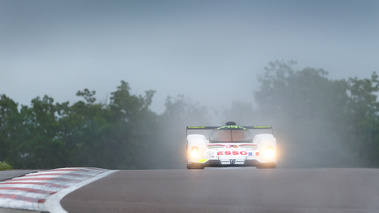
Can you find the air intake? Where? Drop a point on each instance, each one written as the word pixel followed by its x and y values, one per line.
pixel 230 123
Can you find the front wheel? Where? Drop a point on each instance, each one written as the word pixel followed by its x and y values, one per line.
pixel 195 166
pixel 266 166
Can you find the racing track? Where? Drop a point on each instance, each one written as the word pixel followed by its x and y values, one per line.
pixel 231 190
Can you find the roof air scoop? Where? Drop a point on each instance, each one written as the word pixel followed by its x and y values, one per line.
pixel 230 123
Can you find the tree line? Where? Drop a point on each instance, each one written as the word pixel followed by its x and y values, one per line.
pixel 322 122
pixel 318 122
pixel 122 134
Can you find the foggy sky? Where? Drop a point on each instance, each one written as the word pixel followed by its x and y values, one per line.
pixel 210 51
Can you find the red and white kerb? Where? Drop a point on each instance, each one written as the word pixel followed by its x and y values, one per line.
pixel 32 190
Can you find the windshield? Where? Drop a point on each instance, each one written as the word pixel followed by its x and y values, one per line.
pixel 230 136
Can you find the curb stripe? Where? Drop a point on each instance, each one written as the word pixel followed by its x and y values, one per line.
pixel 48 179
pixel 57 174
pixel 23 198
pixel 42 191
pixel 37 183
pixel 79 169
pixel 38 191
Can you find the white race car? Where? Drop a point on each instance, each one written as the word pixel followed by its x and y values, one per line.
pixel 230 145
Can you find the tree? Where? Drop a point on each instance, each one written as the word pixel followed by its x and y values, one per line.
pixel 308 111
pixel 35 143
pixel 363 123
pixel 134 127
pixel 9 128
pixel 48 135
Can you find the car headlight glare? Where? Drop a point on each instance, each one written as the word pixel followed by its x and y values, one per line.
pixel 195 153
pixel 268 152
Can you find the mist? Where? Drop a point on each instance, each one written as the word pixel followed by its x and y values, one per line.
pixel 318 121
pixel 210 58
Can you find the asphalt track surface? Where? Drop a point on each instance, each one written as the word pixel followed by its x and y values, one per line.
pixel 230 190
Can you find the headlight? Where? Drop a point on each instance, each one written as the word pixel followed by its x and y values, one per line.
pixel 195 153
pixel 268 152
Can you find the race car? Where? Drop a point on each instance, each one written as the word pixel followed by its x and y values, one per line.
pixel 230 145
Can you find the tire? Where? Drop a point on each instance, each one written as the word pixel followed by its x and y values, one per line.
pixel 195 166
pixel 266 166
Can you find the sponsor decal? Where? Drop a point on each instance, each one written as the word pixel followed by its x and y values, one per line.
pixel 196 127
pixel 210 154
pixel 262 127
pixel 231 153
pixel 214 146
pixel 231 127
pixel 249 146
pixel 231 146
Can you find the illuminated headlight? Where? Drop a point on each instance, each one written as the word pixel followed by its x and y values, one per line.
pixel 268 152
pixel 195 153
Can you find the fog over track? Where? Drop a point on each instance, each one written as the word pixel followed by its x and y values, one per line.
pixel 230 190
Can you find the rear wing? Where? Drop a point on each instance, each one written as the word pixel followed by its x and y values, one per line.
pixel 216 127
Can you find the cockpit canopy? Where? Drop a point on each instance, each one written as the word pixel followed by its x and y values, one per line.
pixel 230 134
